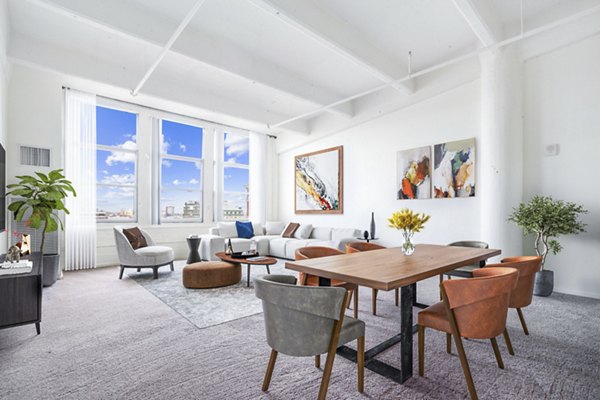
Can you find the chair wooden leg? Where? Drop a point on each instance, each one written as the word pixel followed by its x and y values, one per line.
pixel 121 272
pixel 522 318
pixel 448 343
pixel 269 372
pixel 318 361
pixel 360 348
pixel 374 301
pixel 497 353
pixel 349 299
pixel 441 280
pixel 326 375
pixel 465 367
pixel 508 342
pixel 397 297
pixel 356 303
pixel 421 350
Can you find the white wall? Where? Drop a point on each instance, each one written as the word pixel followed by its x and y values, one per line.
pixel 370 169
pixel 562 106
pixel 4 78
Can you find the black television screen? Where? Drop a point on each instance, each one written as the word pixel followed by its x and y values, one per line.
pixel 2 189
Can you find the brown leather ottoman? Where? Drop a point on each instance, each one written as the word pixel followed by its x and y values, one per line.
pixel 212 274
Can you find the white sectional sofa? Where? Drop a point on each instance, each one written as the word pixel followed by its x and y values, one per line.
pixel 269 241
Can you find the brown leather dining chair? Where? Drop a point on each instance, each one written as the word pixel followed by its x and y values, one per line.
pixel 471 308
pixel 356 247
pixel 305 253
pixel 522 295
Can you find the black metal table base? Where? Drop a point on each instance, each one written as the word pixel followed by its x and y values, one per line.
pixel 408 299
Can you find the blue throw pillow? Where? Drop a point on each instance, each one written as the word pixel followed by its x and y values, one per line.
pixel 244 229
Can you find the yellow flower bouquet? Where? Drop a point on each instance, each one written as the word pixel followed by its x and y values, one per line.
pixel 408 222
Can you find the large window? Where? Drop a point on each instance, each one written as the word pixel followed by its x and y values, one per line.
pixel 180 172
pixel 235 176
pixel 116 160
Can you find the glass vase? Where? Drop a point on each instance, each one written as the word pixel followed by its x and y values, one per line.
pixel 408 248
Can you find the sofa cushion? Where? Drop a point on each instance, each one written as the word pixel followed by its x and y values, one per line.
pixel 244 229
pixel 258 228
pixel 262 244
pixel 227 229
pixel 338 234
pixel 135 237
pixel 274 227
pixel 289 230
pixel 277 246
pixel 303 231
pixel 321 233
pixel 155 255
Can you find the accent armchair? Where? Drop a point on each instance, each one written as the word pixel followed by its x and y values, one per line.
pixel 151 256
pixel 303 321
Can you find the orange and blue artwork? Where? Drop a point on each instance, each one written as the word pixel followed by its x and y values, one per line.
pixel 414 173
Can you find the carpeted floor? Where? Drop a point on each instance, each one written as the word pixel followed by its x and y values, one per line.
pixel 108 339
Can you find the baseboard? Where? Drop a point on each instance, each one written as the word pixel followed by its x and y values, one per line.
pixel 577 293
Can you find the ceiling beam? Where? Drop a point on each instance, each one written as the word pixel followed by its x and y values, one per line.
pixel 186 20
pixel 337 36
pixel 202 48
pixel 481 19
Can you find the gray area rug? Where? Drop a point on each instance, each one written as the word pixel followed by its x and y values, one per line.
pixel 104 338
pixel 206 307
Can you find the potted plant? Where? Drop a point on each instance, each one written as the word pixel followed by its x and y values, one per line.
pixel 547 219
pixel 408 222
pixel 40 199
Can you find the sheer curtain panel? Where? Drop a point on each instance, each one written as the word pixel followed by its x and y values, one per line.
pixel 80 168
pixel 258 177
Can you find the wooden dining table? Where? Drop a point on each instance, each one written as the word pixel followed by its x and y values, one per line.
pixel 388 269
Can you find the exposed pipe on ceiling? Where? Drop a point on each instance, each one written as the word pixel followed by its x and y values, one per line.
pixel 168 45
pixel 506 42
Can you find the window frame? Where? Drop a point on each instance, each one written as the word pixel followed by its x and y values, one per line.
pixel 165 116
pixel 104 147
pixel 235 165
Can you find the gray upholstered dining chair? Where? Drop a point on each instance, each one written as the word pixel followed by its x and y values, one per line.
pixel 467 270
pixel 151 256
pixel 303 321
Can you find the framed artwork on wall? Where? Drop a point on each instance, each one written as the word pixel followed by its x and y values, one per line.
pixel 319 182
pixel 454 169
pixel 414 173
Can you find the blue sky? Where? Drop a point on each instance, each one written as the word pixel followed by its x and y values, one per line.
pixel 180 180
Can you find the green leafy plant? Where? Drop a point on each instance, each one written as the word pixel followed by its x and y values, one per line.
pixel 548 219
pixel 43 196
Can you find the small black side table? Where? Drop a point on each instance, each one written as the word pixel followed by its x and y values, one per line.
pixel 193 244
pixel 367 239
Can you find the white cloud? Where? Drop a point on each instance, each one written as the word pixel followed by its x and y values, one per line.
pixel 121 156
pixel 236 145
pixel 119 193
pixel 227 176
pixel 105 172
pixel 198 165
pixel 231 160
pixel 117 179
pixel 178 182
pixel 166 163
pixel 164 144
pixel 194 181
pixel 182 147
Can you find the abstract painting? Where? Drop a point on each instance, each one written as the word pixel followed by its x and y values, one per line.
pixel 414 173
pixel 319 182
pixel 454 169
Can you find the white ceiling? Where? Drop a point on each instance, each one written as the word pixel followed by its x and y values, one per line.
pixel 268 61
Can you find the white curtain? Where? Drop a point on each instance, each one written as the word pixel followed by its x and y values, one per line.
pixel 80 168
pixel 258 177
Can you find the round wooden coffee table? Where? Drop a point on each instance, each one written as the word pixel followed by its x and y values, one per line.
pixel 266 261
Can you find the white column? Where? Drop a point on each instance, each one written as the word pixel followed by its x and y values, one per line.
pixel 501 149
pixel 258 177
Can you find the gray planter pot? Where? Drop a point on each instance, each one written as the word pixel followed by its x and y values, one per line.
pixel 544 283
pixel 50 266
